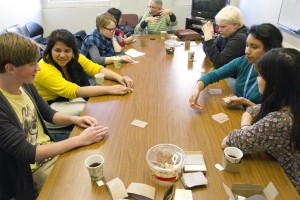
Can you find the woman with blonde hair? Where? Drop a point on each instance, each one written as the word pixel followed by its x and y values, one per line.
pixel 230 42
pixel 102 45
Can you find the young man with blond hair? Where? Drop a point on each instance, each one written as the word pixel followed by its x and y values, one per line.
pixel 230 43
pixel 25 144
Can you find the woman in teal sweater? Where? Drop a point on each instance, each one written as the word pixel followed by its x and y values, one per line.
pixel 261 39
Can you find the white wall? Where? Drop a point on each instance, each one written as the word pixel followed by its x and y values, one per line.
pixel 258 11
pixel 23 11
pixel 19 12
pixel 75 19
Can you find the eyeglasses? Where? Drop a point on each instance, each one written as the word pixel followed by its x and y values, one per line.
pixel 110 29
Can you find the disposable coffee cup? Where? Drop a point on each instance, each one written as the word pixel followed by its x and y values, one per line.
pixel 191 55
pixel 94 165
pixel 187 44
pixel 173 37
pixel 163 35
pixel 233 154
pixel 99 78
pixel 170 46
pixel 117 62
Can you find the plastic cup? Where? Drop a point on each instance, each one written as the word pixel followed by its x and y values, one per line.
pixel 170 46
pixel 191 55
pixel 233 154
pixel 174 37
pixel 187 45
pixel 165 163
pixel 99 78
pixel 163 35
pixel 117 62
pixel 94 165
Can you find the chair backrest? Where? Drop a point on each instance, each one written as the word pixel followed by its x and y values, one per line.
pixel 130 19
pixel 15 29
pixel 79 36
pixel 3 31
pixel 33 29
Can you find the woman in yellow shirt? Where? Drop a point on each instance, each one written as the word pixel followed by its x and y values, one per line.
pixel 63 79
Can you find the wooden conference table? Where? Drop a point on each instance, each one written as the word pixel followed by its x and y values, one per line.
pixel 163 85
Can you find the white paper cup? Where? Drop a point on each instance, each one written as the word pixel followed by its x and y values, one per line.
pixel 163 35
pixel 173 37
pixel 233 154
pixel 117 62
pixel 187 45
pixel 191 55
pixel 99 78
pixel 170 46
pixel 94 165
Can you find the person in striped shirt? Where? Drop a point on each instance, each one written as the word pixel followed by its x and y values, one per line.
pixel 157 19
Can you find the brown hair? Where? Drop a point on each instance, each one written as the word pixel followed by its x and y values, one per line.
pixel 17 50
pixel 104 19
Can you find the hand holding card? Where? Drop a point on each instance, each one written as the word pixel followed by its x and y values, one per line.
pixel 229 99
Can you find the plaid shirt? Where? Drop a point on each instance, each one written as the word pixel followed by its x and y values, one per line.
pixel 104 44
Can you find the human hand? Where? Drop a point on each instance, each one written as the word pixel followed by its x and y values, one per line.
pixel 193 100
pixel 234 101
pixel 208 30
pixel 151 19
pixel 224 145
pixel 126 58
pixel 120 90
pixel 129 39
pixel 85 121
pixel 165 12
pixel 92 134
pixel 120 38
pixel 125 80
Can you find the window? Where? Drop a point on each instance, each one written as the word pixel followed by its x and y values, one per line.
pixel 79 3
pixel 72 1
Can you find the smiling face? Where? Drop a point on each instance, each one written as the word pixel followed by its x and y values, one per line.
pixel 254 49
pixel 61 53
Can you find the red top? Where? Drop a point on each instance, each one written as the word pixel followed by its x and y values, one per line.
pixel 120 33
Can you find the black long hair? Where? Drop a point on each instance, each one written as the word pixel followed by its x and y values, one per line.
pixel 75 70
pixel 116 13
pixel 268 34
pixel 280 68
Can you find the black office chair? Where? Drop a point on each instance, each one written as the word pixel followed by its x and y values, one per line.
pixel 35 31
pixel 15 29
pixel 79 36
pixel 129 22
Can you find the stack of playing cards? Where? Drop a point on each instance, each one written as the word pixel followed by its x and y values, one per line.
pixel 193 179
pixel 214 91
pixel 221 117
pixel 229 99
pixel 194 161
